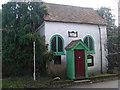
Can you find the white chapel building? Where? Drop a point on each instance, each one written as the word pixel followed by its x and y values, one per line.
pixel 78 37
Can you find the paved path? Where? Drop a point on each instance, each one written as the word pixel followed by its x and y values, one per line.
pixel 105 84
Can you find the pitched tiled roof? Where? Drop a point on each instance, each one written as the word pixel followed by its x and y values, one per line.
pixel 73 43
pixel 73 14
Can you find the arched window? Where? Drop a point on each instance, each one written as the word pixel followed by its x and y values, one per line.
pixel 57 44
pixel 89 42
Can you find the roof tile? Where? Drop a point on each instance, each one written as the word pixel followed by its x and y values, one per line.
pixel 73 14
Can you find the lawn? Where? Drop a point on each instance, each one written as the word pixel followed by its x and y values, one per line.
pixel 0 84
pixel 26 82
pixel 40 82
pixel 101 75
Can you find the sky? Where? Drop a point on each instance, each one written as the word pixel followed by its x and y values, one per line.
pixel 112 4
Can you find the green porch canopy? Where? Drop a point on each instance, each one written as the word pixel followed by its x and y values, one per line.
pixel 70 48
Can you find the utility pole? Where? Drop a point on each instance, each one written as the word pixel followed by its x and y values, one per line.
pixel 34 59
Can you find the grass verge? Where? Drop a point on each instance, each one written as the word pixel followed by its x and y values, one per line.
pixel 45 82
pixel 103 75
pixel 25 82
pixel 28 82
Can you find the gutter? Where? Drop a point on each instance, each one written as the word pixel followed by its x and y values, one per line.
pixel 74 22
pixel 100 48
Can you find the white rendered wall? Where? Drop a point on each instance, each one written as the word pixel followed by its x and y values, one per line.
pixel 104 48
pixel 53 28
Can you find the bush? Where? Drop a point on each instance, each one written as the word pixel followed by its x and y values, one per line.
pixel 112 62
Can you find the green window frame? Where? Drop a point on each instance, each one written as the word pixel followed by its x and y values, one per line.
pixel 59 41
pixel 89 42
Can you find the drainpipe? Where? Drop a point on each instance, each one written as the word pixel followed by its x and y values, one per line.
pixel 100 48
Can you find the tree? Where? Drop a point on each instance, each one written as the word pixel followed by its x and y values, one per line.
pixel 106 14
pixel 19 22
pixel 112 35
pixel 0 18
pixel 18 14
pixel 0 39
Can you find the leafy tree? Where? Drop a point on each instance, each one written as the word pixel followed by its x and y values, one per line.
pixel 113 50
pixel 19 22
pixel 18 14
pixel 0 18
pixel 112 35
pixel 106 14
pixel 0 36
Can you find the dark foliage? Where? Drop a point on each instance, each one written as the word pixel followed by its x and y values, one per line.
pixel 19 22
pixel 112 36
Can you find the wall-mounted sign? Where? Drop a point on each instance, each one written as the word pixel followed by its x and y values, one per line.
pixel 90 60
pixel 72 34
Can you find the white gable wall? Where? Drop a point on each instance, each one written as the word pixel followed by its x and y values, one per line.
pixel 104 47
pixel 53 28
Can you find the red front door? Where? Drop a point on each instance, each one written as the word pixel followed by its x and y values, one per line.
pixel 79 63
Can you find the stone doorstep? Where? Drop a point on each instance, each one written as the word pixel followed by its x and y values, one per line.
pixel 81 81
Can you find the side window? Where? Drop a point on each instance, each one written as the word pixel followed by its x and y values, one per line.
pixel 89 42
pixel 60 46
pixel 57 60
pixel 57 45
pixel 90 59
pixel 86 41
pixel 53 44
pixel 91 46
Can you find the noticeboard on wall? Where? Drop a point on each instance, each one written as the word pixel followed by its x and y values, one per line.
pixel 90 59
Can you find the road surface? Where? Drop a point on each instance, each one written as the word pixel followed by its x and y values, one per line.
pixel 105 84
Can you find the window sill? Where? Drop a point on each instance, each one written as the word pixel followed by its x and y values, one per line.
pixel 59 53
pixel 90 65
pixel 91 52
